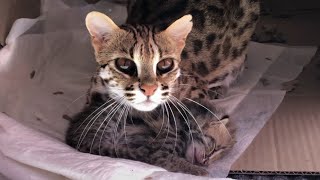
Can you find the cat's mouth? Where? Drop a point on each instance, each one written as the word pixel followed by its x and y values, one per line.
pixel 146 105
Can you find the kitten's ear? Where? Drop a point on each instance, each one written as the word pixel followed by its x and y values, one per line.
pixel 100 27
pixel 225 121
pixel 180 29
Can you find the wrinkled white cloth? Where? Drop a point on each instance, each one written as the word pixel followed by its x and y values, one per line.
pixel 45 71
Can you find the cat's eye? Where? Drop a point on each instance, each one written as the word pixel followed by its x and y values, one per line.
pixel 126 66
pixel 165 66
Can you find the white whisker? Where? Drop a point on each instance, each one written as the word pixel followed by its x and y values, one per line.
pixel 187 122
pixel 175 124
pixel 95 117
pixel 210 112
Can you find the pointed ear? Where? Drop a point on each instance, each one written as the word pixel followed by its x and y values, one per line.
pixel 225 121
pixel 179 30
pixel 100 27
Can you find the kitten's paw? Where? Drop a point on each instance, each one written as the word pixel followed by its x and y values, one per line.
pixel 196 153
pixel 218 139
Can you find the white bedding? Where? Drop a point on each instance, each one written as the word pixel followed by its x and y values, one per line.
pixel 45 71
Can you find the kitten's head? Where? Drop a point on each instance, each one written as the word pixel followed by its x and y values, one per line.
pixel 138 65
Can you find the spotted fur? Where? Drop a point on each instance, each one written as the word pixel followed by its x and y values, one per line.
pixel 172 124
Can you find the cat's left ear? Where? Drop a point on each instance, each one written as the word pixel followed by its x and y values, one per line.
pixel 100 28
pixel 179 30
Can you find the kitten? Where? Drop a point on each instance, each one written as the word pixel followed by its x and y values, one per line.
pixel 142 107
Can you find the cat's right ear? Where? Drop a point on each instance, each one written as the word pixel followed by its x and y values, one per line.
pixel 179 30
pixel 100 28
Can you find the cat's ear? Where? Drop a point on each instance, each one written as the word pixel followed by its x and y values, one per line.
pixel 100 27
pixel 179 30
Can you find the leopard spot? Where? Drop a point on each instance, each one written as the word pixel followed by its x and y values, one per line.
pixel 197 46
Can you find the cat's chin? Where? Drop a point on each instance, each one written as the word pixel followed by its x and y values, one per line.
pixel 145 106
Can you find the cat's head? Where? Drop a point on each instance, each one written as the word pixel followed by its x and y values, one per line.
pixel 138 66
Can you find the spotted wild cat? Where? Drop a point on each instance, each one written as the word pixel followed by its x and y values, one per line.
pixel 149 100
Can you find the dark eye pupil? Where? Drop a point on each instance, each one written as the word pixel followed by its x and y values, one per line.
pixel 165 66
pixel 126 66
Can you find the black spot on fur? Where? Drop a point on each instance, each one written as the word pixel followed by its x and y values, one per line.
pixel 197 46
pixel 193 66
pixel 202 69
pixel 58 93
pixel 239 14
pixel 165 87
pixel 165 94
pixel 216 15
pixel 184 55
pixel 226 47
pixel 198 19
pixel 234 25
pixel 32 74
pixel 129 88
pixel 243 47
pixel 235 52
pixel 214 11
pixel 209 40
pixel 129 94
pixel 66 117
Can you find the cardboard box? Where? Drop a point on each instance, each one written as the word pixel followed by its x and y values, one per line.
pixel 289 142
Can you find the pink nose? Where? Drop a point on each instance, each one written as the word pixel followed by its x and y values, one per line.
pixel 148 90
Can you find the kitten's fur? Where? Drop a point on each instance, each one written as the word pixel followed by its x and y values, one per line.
pixel 140 106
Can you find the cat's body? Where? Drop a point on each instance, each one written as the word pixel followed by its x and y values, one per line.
pixel 148 104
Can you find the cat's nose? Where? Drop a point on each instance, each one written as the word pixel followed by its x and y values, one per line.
pixel 148 89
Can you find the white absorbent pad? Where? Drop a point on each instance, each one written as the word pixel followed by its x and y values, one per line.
pixel 45 71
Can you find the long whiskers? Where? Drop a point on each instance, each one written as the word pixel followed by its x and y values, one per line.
pixel 176 128
pixel 112 113
pixel 92 114
pixel 161 123
pixel 185 117
pixel 116 128
pixel 91 122
pixel 210 112
pixel 186 109
pixel 78 98
pixel 168 124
